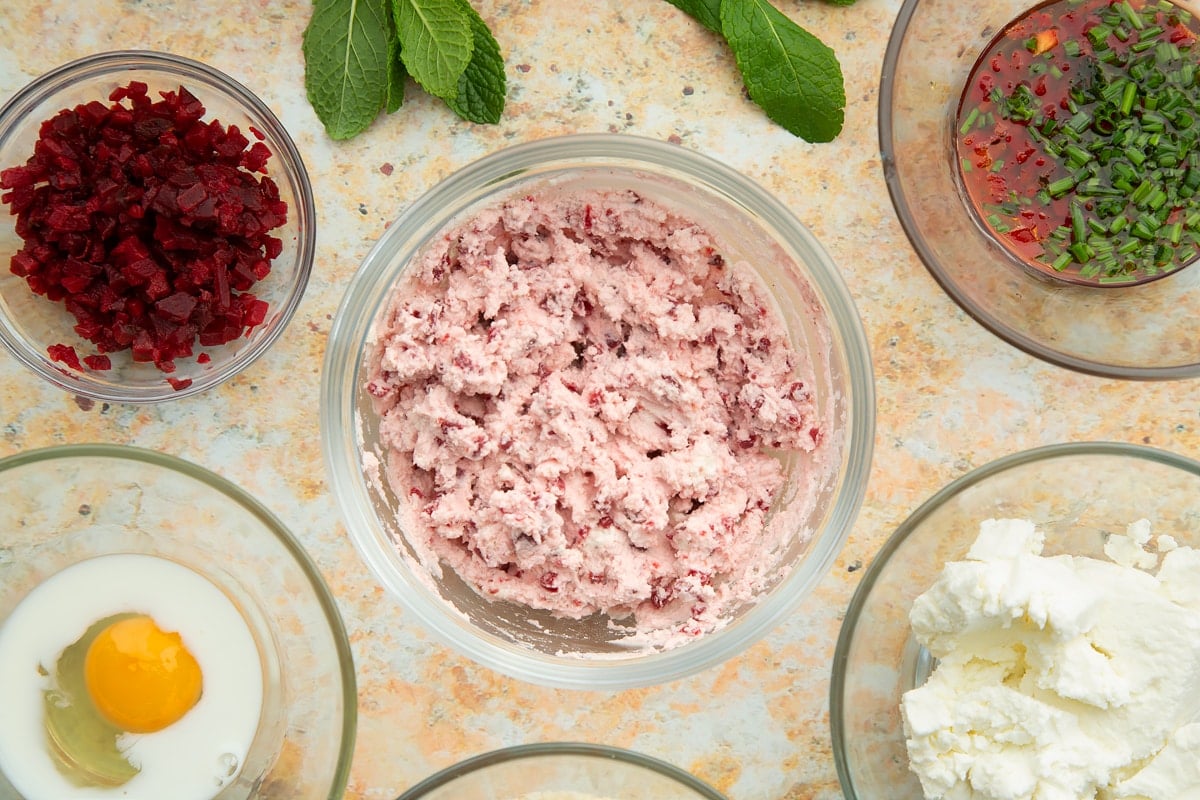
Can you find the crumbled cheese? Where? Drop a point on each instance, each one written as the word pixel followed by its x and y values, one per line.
pixel 1058 677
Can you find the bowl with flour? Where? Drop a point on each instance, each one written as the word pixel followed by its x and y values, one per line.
pixel 598 411
pixel 1032 630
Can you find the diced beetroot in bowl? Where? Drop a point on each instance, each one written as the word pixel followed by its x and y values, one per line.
pixel 148 223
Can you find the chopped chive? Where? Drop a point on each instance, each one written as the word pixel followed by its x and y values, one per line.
pixel 1098 35
pixel 966 126
pixel 1059 187
pixel 1128 95
pixel 1131 16
pixel 1078 226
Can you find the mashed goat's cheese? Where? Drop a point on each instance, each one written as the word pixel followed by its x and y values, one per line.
pixel 1059 677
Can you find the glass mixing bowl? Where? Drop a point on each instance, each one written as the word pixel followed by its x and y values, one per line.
pixel 1138 332
pixel 562 771
pixel 819 316
pixel 75 502
pixel 1077 493
pixel 30 323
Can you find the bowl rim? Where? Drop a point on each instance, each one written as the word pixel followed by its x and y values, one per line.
pixel 338 429
pixel 287 156
pixel 996 326
pixel 837 683
pixel 341 775
pixel 533 750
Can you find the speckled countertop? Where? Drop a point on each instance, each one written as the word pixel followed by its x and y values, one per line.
pixel 951 396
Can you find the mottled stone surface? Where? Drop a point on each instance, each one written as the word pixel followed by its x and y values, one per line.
pixel 950 395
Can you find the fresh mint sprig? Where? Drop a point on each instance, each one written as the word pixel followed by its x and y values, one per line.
pixel 359 54
pixel 793 76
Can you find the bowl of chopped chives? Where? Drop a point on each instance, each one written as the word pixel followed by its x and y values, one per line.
pixel 1046 168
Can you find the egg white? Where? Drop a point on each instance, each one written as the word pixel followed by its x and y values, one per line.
pixel 188 760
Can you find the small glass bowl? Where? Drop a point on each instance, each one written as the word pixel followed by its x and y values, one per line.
pixel 30 323
pixel 75 502
pixel 819 316
pixel 1076 493
pixel 1147 331
pixel 562 771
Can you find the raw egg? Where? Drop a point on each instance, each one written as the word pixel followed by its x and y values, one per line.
pixel 127 676
pixel 140 678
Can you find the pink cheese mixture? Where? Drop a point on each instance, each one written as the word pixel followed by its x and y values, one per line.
pixel 578 396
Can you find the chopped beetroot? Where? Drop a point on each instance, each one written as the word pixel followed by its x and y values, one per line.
pixel 148 224
pixel 64 354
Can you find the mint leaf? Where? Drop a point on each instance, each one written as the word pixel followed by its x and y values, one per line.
pixel 435 43
pixel 482 85
pixel 707 12
pixel 789 72
pixel 346 46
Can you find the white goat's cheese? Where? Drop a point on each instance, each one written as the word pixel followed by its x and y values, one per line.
pixel 1058 677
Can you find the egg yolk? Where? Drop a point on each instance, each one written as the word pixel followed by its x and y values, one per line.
pixel 139 677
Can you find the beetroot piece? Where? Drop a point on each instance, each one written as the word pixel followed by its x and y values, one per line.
pixel 148 223
pixel 64 354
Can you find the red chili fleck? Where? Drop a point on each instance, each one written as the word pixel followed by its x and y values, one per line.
pixel 1024 235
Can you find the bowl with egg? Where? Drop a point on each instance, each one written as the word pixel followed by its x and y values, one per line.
pixel 1041 160
pixel 1031 630
pixel 563 771
pixel 157 226
pixel 162 634
pixel 598 411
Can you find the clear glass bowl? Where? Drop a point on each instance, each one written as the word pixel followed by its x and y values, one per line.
pixel 70 503
pixel 1136 332
pixel 1077 493
pixel 589 653
pixel 562 771
pixel 29 323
